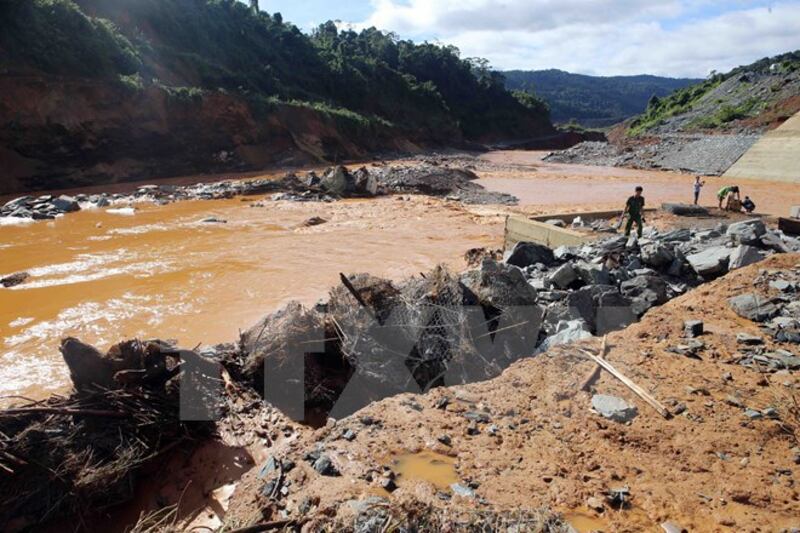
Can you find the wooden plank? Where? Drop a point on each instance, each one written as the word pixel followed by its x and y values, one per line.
pixel 643 394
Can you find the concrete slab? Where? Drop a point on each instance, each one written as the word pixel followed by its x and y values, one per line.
pixel 774 157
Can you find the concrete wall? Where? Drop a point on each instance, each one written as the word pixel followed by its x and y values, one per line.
pixel 519 229
pixel 775 157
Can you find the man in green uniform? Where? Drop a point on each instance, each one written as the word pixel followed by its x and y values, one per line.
pixel 634 208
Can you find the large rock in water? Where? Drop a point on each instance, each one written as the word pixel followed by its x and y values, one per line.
pixel 65 204
pixel 710 262
pixel 529 253
pixel 747 231
pixel 337 181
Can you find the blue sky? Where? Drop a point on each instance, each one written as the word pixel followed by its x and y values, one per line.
pixel 602 37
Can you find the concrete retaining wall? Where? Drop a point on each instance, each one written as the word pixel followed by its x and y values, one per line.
pixel 535 229
pixel 775 157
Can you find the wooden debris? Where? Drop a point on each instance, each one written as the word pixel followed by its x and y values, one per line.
pixel 643 394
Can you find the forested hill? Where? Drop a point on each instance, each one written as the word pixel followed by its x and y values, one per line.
pixel 591 100
pixel 107 90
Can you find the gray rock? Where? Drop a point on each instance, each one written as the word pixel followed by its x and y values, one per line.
pixel 337 181
pixel 656 255
pixel 614 408
pixel 499 285
pixel 678 235
pixel 749 340
pixel 65 204
pixel 564 276
pixel 529 253
pixel 684 210
pixel 747 231
pixel 645 291
pixel 593 274
pixel 572 331
pixel 693 328
pixel 710 262
pixel 753 307
pixel 744 255
pixel 462 490
pixel 774 242
pixel 324 466
pixel 556 222
pixel 782 285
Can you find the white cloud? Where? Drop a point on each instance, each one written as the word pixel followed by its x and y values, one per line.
pixel 668 37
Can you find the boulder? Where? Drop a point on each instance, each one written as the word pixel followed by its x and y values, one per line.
pixel 678 235
pixel 753 307
pixel 365 184
pixel 693 328
pixel 614 408
pixel 685 210
pixel 497 284
pixel 563 277
pixel 526 254
pixel 337 181
pixel 656 255
pixel 710 262
pixel 567 333
pixel 747 231
pixel 773 241
pixel 65 204
pixel 593 274
pixel 645 292
pixel 744 255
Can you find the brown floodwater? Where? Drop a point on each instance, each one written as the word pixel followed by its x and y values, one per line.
pixel 104 275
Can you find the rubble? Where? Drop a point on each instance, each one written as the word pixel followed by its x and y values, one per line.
pixel 458 184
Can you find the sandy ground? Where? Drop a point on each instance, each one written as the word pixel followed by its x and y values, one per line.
pixel 708 469
pixel 582 187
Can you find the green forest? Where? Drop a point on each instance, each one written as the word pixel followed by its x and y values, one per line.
pixel 191 47
pixel 593 101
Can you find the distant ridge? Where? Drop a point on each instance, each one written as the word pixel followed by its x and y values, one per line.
pixel 593 101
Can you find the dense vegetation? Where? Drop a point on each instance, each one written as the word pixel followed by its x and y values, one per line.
pixel 721 112
pixel 193 46
pixel 591 100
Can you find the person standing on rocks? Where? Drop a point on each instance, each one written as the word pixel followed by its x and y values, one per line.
pixel 634 208
pixel 698 185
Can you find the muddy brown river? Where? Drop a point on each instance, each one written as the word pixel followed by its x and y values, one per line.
pixel 104 275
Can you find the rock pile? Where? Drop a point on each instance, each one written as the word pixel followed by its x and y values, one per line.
pixel 374 338
pixel 778 314
pixel 608 284
pixel 334 183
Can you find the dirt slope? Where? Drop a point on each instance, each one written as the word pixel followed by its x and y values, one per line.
pixel 709 468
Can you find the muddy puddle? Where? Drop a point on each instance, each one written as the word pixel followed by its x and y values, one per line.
pixel 158 271
pixel 431 467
